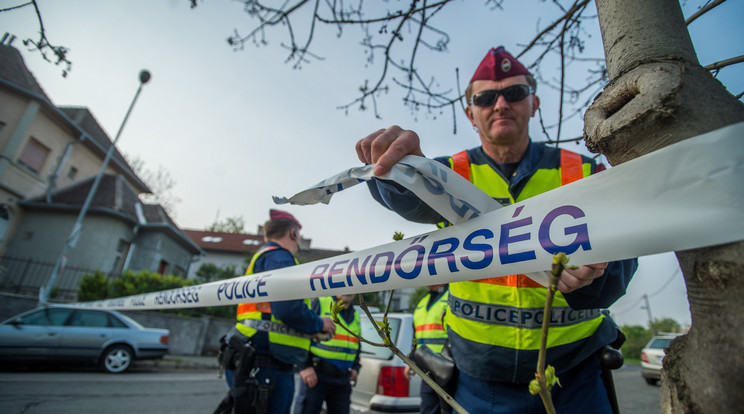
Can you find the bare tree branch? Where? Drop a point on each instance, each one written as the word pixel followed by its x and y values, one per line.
pixel 43 44
pixel 704 10
pixel 577 7
pixel 724 63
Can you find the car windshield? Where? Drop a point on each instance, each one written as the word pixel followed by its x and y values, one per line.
pixel 660 343
pixel 369 333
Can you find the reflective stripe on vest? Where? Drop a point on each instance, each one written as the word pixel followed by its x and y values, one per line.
pixel 341 350
pixel 429 328
pixel 503 311
pixel 281 341
pixel 269 326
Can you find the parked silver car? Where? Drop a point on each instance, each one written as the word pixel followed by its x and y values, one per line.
pixel 653 354
pixel 64 333
pixel 382 385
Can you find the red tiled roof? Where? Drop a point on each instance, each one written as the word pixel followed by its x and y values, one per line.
pixel 225 242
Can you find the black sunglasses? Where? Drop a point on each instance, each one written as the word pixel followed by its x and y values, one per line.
pixel 512 93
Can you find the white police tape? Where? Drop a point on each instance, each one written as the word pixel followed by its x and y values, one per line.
pixel 687 195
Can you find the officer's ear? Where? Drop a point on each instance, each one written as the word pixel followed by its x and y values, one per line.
pixel 535 104
pixel 293 234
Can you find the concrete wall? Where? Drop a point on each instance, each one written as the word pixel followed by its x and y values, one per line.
pixel 188 335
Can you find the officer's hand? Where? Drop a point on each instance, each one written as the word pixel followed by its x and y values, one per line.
pixel 329 326
pixel 572 279
pixel 386 147
pixel 353 375
pixel 408 373
pixel 308 377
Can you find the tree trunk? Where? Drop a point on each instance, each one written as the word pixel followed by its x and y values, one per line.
pixel 658 95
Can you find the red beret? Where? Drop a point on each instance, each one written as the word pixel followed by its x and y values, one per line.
pixel 497 65
pixel 277 214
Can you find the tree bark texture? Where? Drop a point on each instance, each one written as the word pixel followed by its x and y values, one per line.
pixel 658 95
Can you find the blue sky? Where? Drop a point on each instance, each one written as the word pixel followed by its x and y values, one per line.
pixel 235 128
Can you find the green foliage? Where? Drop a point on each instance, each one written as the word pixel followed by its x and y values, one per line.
pixel 416 296
pixel 93 287
pixel 665 325
pixel 131 283
pixel 636 338
pixel 209 272
pixel 97 287
pixel 234 225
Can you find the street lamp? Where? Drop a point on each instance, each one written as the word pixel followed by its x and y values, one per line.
pixel 144 77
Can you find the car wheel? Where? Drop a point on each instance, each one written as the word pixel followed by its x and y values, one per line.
pixel 117 358
pixel 651 381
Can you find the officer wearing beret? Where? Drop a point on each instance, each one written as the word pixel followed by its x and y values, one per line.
pixel 497 356
pixel 277 334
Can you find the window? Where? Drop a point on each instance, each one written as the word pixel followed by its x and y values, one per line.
pixel 4 219
pixel 34 155
pixel 72 173
pixel 47 316
pixel 120 257
pixel 115 323
pixel 90 319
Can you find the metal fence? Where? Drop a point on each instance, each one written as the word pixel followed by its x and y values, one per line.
pixel 26 275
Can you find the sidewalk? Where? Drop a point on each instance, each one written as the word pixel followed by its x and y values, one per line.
pixel 190 362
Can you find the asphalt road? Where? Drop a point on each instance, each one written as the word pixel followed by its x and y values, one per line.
pixel 164 390
pixel 88 391
pixel 633 394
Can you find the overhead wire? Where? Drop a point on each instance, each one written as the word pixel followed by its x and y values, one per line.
pixel 637 302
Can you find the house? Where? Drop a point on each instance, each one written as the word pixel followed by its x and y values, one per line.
pixel 49 158
pixel 236 249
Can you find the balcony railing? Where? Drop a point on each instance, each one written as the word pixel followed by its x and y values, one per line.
pixel 27 275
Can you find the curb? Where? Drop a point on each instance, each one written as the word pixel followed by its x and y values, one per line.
pixel 180 362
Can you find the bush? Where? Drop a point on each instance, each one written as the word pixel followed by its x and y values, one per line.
pixel 636 338
pixel 98 286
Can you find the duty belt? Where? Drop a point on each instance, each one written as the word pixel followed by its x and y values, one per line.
pixel 530 318
pixel 277 327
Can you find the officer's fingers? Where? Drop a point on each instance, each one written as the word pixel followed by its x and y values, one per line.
pixel 598 266
pixel 392 145
pixel 329 326
pixel 364 147
pixel 568 282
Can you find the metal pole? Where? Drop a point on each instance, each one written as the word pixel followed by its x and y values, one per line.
pixel 650 319
pixel 144 77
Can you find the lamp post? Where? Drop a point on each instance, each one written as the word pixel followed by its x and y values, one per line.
pixel 144 77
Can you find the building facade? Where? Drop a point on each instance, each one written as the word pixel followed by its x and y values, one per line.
pixel 49 159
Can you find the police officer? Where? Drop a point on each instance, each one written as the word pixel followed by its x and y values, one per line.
pixel 277 334
pixel 334 363
pixel 497 357
pixel 430 332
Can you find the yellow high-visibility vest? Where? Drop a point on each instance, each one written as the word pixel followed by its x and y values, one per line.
pixel 290 347
pixel 428 324
pixel 498 317
pixel 341 349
